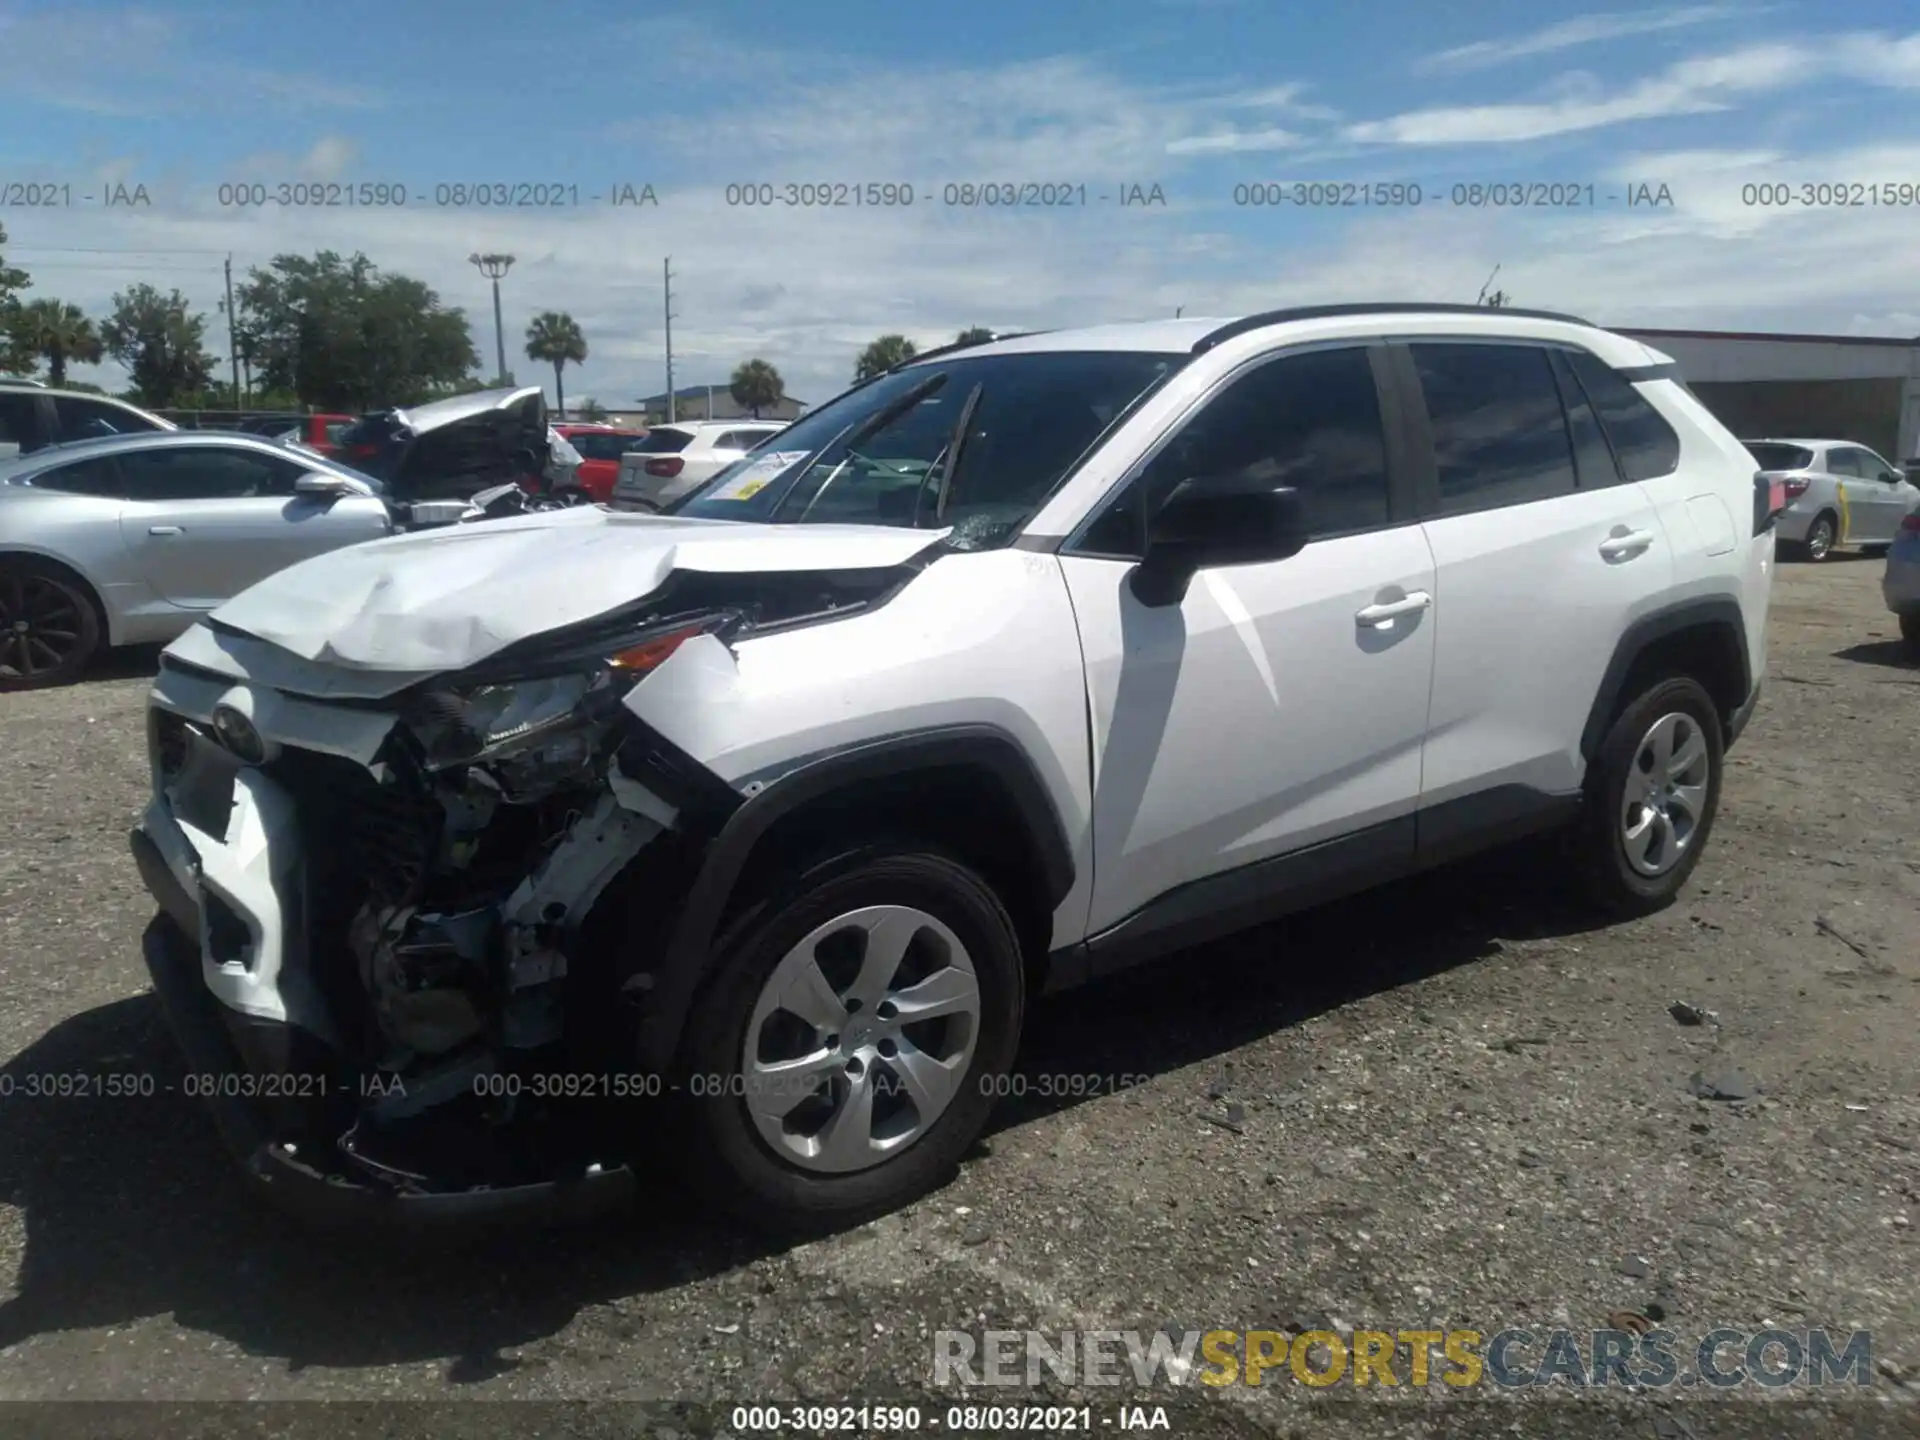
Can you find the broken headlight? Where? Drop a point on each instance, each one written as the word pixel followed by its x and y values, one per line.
pixel 535 733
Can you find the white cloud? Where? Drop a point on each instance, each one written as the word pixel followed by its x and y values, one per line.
pixel 130 63
pixel 1232 142
pixel 1581 30
pixel 1701 85
pixel 806 288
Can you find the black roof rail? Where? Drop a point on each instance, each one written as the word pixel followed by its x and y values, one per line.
pixel 953 345
pixel 1261 321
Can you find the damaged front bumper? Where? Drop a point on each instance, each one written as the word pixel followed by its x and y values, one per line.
pixel 327 1116
pixel 327 1193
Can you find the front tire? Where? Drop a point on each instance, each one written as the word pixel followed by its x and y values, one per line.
pixel 1652 792
pixel 1910 632
pixel 847 1050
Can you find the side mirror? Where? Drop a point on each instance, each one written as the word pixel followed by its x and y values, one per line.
pixel 1891 477
pixel 318 485
pixel 1219 520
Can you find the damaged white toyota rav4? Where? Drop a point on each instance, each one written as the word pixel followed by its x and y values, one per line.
pixel 736 840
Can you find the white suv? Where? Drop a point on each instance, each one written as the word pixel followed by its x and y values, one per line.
pixel 503 855
pixel 675 459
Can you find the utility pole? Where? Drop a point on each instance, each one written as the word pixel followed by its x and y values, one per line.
pixel 493 267
pixel 233 351
pixel 666 271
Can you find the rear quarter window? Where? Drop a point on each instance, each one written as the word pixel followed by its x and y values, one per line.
pixel 1644 444
pixel 664 440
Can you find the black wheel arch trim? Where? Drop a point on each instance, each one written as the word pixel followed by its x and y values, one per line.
pixel 1718 611
pixel 988 747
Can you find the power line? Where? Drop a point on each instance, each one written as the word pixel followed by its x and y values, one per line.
pixel 101 250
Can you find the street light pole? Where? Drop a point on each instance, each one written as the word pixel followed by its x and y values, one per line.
pixel 493 267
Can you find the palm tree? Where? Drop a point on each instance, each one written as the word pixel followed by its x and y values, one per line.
pixel 58 333
pixel 554 336
pixel 973 335
pixel 592 411
pixel 883 354
pixel 756 383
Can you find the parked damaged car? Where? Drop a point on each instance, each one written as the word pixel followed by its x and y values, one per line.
pixel 734 839
pixel 434 458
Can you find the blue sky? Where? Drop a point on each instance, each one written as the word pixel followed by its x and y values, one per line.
pixel 1197 97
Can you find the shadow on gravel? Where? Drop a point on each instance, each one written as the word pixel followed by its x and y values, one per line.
pixel 1892 654
pixel 131 1209
pixel 129 662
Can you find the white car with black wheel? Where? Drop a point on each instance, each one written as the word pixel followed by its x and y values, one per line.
pixel 764 819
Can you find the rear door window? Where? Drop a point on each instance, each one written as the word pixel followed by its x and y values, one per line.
pixel 81 419
pixel 19 424
pixel 1843 460
pixel 1499 434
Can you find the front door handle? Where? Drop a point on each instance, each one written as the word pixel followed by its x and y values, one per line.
pixel 1386 612
pixel 1618 547
pixel 163 529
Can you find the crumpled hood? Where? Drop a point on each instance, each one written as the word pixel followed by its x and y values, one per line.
pixel 444 599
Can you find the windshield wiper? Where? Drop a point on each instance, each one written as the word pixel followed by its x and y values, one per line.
pixel 953 451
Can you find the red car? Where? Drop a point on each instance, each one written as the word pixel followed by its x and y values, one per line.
pixel 316 432
pixel 600 447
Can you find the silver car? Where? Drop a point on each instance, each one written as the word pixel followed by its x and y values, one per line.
pixel 131 539
pixel 1837 493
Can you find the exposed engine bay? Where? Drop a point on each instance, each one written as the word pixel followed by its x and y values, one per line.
pixel 479 898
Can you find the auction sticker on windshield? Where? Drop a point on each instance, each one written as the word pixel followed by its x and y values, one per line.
pixel 755 477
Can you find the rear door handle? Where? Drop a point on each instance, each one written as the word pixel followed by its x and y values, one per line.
pixel 1616 547
pixel 1385 613
pixel 163 529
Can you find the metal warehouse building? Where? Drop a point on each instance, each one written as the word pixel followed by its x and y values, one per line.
pixel 1843 387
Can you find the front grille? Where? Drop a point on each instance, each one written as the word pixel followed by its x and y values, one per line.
pixel 365 839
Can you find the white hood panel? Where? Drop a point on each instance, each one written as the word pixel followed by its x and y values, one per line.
pixel 444 599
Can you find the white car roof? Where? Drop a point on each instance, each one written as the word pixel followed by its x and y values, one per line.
pixel 1307 323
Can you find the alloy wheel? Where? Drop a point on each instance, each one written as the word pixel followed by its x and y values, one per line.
pixel 1666 794
pixel 40 626
pixel 861 1038
pixel 1820 539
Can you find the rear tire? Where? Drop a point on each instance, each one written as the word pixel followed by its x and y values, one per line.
pixel 755 1163
pixel 1910 632
pixel 49 625
pixel 1652 792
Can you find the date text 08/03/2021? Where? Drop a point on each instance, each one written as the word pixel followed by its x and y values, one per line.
pixel 876 1419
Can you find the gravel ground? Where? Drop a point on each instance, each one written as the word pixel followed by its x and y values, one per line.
pixel 1455 1103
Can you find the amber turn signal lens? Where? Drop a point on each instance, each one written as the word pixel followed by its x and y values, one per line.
pixel 653 652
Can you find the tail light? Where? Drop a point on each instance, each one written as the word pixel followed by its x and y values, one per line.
pixel 363 452
pixel 1770 497
pixel 1795 489
pixel 667 466
pixel 1911 525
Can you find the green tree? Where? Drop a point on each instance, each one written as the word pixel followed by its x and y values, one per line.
pixel 162 343
pixel 344 335
pixel 554 337
pixel 973 335
pixel 883 354
pixel 54 331
pixel 591 410
pixel 12 282
pixel 756 385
